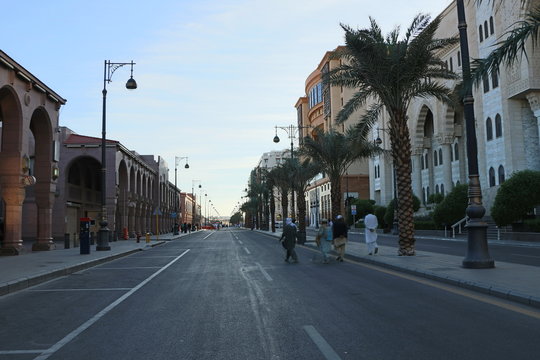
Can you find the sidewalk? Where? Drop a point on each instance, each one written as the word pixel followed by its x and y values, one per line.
pixel 22 271
pixel 515 282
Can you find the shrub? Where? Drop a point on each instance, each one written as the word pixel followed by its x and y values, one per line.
pixel 452 208
pixel 435 198
pixel 379 212
pixel 389 215
pixel 516 197
pixel 532 225
pixel 363 206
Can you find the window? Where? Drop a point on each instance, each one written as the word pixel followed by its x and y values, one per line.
pixel 451 64
pixel 486 30
pixel 498 126
pixel 437 189
pixel 494 80
pixel 489 129
pixel 481 33
pixel 426 161
pixel 491 177
pixel 485 81
pixel 459 58
pixel 456 152
pixel 440 156
pixel 451 154
pixel 435 163
pixel 442 189
pixel 501 174
pixel 423 195
pixel 491 27
pixel 422 162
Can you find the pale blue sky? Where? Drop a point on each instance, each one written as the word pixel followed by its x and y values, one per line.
pixel 214 76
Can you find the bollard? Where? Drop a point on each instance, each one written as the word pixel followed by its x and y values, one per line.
pixel 147 237
pixel 138 237
pixel 66 241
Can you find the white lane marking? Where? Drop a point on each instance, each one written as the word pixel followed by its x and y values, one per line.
pixel 240 242
pixel 103 289
pixel 207 236
pixel 128 268
pixel 72 335
pixel 323 346
pixel 266 275
pixel 15 352
pixel 245 248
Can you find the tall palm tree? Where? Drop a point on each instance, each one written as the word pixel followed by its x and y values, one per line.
pixel 392 71
pixel 334 152
pixel 282 180
pixel 302 172
pixel 510 49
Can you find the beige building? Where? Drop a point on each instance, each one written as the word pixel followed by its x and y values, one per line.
pixel 507 108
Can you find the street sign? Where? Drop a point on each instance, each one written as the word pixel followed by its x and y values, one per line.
pixel 173 215
pixel 157 212
pixel 353 209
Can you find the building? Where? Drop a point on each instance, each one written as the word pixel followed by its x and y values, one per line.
pixel 29 155
pixel 506 105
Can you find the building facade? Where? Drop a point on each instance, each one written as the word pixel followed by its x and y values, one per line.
pixel 29 155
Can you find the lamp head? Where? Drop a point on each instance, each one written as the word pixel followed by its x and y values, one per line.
pixel 131 84
pixel 276 139
pixel 186 166
pixel 378 141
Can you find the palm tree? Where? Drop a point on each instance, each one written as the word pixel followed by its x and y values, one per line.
pixel 282 180
pixel 334 152
pixel 302 172
pixel 392 72
pixel 510 49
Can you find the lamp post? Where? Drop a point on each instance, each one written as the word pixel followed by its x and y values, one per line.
pixel 131 84
pixel 477 248
pixel 395 223
pixel 291 132
pixel 176 160
pixel 194 209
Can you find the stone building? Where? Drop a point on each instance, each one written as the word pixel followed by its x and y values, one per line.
pixel 29 155
pixel 506 105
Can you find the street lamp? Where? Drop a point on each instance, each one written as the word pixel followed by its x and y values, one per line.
pixel 131 84
pixel 291 132
pixel 176 160
pixel 477 247
pixel 194 209
pixel 395 223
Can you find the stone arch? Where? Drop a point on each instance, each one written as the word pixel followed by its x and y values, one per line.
pixel 12 122
pixel 123 199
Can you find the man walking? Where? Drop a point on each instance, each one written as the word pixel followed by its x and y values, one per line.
pixel 288 239
pixel 339 230
pixel 371 223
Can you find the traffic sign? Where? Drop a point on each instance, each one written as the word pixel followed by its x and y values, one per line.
pixel 157 212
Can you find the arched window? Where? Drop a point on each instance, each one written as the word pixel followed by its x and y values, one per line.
pixel 437 189
pixel 435 162
pixel 489 129
pixel 494 79
pixel 481 33
pixel 456 152
pixel 498 126
pixel 501 174
pixel 423 195
pixel 491 177
pixel 442 189
pixel 457 183
pixel 422 162
pixel 459 58
pixel 74 175
pixel 491 27
pixel 485 82
pixel 486 30
pixel 426 161
pixel 451 154
pixel 440 156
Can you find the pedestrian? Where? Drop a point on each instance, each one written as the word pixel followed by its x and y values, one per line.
pixel 371 223
pixel 339 230
pixel 288 239
pixel 324 240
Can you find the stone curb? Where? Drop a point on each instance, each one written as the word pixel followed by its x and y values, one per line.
pixel 24 283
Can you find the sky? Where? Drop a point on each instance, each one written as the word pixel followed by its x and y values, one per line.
pixel 214 76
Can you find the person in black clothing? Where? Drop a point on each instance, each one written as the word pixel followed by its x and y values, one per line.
pixel 288 239
pixel 339 230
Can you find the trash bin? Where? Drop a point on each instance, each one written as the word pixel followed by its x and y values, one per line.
pixel 84 235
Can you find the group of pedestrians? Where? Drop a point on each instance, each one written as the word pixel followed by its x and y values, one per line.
pixel 330 234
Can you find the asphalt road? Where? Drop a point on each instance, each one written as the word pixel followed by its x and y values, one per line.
pixel 229 295
pixel 518 254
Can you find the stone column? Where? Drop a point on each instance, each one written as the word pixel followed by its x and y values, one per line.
pixel 446 145
pixel 417 172
pixel 13 197
pixel 44 202
pixel 532 152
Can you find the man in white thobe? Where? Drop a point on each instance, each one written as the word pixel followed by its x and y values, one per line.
pixel 371 223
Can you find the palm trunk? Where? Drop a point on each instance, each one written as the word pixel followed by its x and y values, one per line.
pixel 272 210
pixel 301 205
pixel 284 204
pixel 401 153
pixel 335 194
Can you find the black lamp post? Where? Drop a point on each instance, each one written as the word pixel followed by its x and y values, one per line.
pixel 131 84
pixel 291 132
pixel 477 248
pixel 176 159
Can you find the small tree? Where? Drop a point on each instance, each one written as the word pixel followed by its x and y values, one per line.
pixel 452 208
pixel 516 197
pixel 389 214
